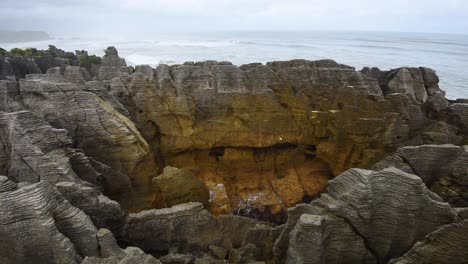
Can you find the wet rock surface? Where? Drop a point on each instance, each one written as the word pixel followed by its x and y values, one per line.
pixel 98 157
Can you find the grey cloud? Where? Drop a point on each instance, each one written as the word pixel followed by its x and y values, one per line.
pixel 77 17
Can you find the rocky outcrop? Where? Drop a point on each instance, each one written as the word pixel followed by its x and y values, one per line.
pixel 22 66
pixel 285 127
pixel 6 72
pixel 389 210
pixel 252 140
pixel 184 227
pixel 17 63
pixel 112 65
pixel 442 167
pixel 177 186
pixel 326 239
pixel 99 130
pixel 37 225
pixel 262 138
pixel 33 150
pixel 103 211
pixel 445 245
pixel 188 231
pixel 461 110
pixel 111 253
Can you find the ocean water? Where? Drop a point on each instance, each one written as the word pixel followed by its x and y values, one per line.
pixel 447 54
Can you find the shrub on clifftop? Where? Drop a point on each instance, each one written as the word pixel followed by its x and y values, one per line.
pixel 17 52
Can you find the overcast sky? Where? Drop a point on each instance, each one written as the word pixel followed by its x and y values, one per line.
pixel 90 17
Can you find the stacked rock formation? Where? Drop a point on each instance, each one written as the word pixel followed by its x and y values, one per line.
pixel 108 147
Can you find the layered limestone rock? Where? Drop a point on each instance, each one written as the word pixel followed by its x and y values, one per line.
pixel 112 65
pixel 266 137
pixel 103 211
pixel 189 228
pixel 31 150
pixel 443 169
pixel 111 253
pixel 37 225
pixel 6 72
pixel 178 186
pixel 326 239
pixel 366 217
pixel 389 210
pixel 251 140
pixel 262 138
pixel 446 245
pixel 99 130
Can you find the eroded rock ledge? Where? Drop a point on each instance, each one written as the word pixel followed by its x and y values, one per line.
pixel 86 145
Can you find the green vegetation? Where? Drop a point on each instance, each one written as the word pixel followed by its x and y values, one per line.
pixel 81 59
pixel 33 52
pixel 17 52
pixel 88 60
pixel 30 52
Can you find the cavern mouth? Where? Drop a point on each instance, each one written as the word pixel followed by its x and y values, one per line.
pixel 257 182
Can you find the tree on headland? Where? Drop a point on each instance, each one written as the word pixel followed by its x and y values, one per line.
pixel 17 52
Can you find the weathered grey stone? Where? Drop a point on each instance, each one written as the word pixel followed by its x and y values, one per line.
pixel 107 244
pixel 136 255
pixel 208 260
pixel 8 96
pixel 47 62
pixel 103 211
pixel 38 225
pixel 185 227
pixel 246 254
pixel 442 167
pixel 282 243
pixel 452 181
pixel 111 50
pixel 442 133
pixel 22 66
pixel 97 128
pixel 6 71
pixel 263 237
pixel 407 80
pixel 177 186
pixel 34 150
pixel 446 245
pixel 6 185
pixel 146 70
pixel 76 74
pixel 462 212
pixel 177 259
pixel 326 239
pixel 461 110
pixel 112 58
pixel 218 252
pixel 389 209
pixel 131 255
pixel 425 161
